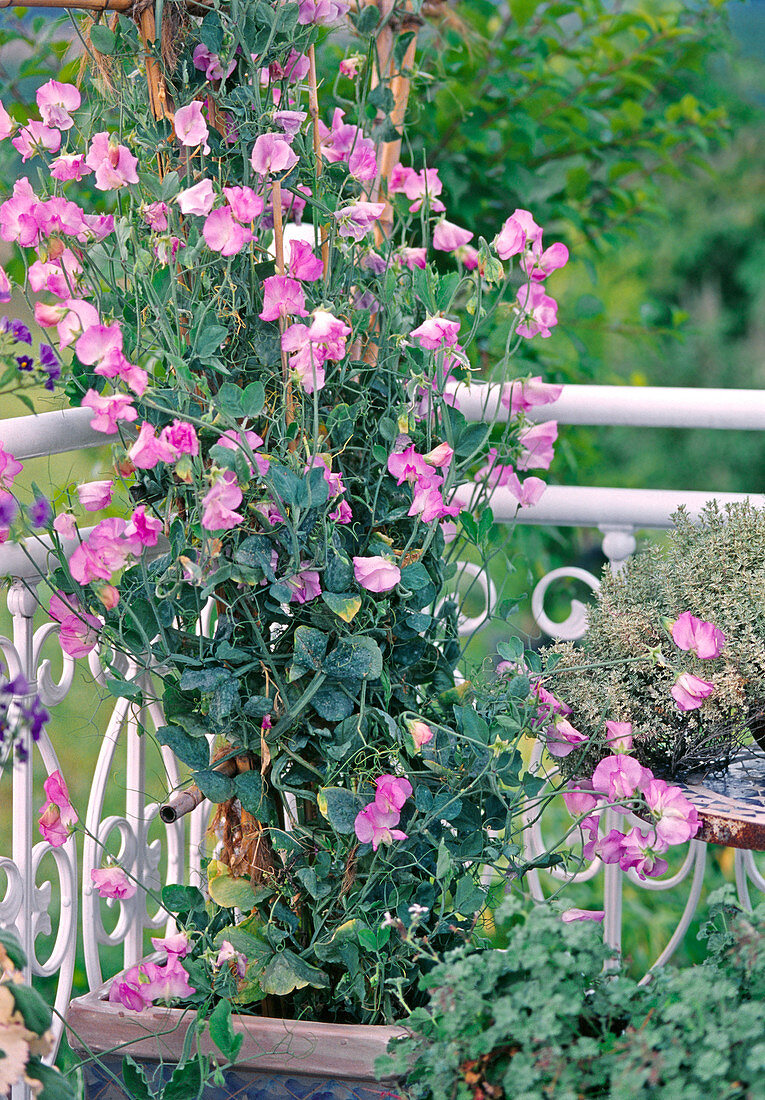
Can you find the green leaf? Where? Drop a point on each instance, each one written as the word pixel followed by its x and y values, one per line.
pixel 213 785
pixel 468 897
pixel 222 1031
pixel 251 793
pixel 346 605
pixel 54 1085
pixel 356 658
pixel 185 1082
pixel 367 20
pixel 182 899
pixel 287 971
pixel 204 679
pixel 230 892
pixel 310 647
pixel 193 751
pixel 332 704
pixel 208 340
pixel 104 40
pixel 124 689
pixel 415 576
pixel 135 1080
pixel 13 950
pixel 444 861
pixel 340 807
pixel 229 399
pixel 253 399
pixel 37 1015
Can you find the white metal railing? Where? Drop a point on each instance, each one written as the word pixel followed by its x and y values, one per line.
pixel 617 513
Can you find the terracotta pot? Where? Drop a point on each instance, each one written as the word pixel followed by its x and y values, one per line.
pixel 279 1059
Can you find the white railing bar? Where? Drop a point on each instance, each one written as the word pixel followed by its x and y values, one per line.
pixel 50 433
pixel 575 506
pixel 28 560
pixel 633 406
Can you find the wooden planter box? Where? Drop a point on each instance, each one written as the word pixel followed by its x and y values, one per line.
pixel 279 1059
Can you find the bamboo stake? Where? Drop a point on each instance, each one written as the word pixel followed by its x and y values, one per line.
pixel 313 108
pixel 276 191
pixel 158 97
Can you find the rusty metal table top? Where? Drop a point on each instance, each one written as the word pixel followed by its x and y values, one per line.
pixel 731 803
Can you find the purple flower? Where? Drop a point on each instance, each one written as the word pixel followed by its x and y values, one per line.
pixel 582 914
pixel 25 362
pixel 8 509
pixel 675 818
pixel 40 513
pixel 619 776
pixel 17 329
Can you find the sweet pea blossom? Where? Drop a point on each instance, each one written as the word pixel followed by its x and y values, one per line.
pixel 9 468
pixel 636 849
pixel 282 296
pixel 689 691
pixel 305 585
pixel 324 13
pixel 562 738
pixel 143 528
pixel 436 333
pixel 5 286
pixel 190 126
pixel 428 504
pixel 112 882
pixel 104 552
pixel 519 231
pixel 55 101
pixel 538 264
pixel 7 125
pixel 181 437
pixel 675 818
pixel 78 630
pixel 408 465
pixel 524 394
pixel 34 137
pixel 447 236
pixel 109 410
pixel 148 449
pixel 357 219
pixel 114 165
pixel 304 263
pixel 219 503
pixel 176 944
pixel 537 443
pixel 198 199
pixel 94 495
pixel 619 736
pixel 420 732
pixel 210 63
pixel 57 816
pixel 272 153
pixel 245 205
pixel 374 827
pixel 619 777
pixel 702 638
pixel 223 233
pixel 392 792
pixel 582 914
pixel 579 797
pixel 376 574
pixel 229 954
pixel 69 166
pixel 538 312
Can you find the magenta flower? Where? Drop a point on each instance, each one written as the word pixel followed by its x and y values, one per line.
pixel 77 316
pixel 5 286
pixel 55 101
pixel 198 199
pixel 635 849
pixel 78 630
pixel 537 443
pixel 304 263
pixel 9 468
pixel 538 264
pixel 323 13
pixel 105 551
pixel 436 333
pixel 169 982
pixel 579 797
pixel 7 125
pixel 447 236
pixel 190 126
pixel 34 137
pixel 440 456
pixel 538 312
pixel 69 166
pixel 357 219
pixel 114 165
pixel 376 574
pixel 129 994
pixel 702 638
pixel 143 528
pixel 282 296
pixel 234 441
pixel 675 818
pixel 115 365
pixel 428 504
pixel 222 233
pixel 519 231
pixel 562 738
pixel 305 585
pixel 349 66
pixel 112 882
pixel 416 185
pixel 176 944
pixel 342 514
pixel 392 792
pixel 57 816
pixel 408 465
pixel 97 341
pixel 148 450
pixel 374 827
pixel 272 153
pixel 468 256
pixel 65 525
pixel 549 704
pixel 420 732
pixel 582 914
pixel 520 396
pixel 94 495
pixel 245 205
pixel 689 691
pixel 181 437
pixel 210 63
pixel 109 410
pixel 411 258
pixel 619 736
pixel 219 504
pixel 619 777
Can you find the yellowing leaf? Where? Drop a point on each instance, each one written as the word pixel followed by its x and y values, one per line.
pixel 346 605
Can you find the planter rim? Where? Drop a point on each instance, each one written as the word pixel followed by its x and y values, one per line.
pixel 271 1045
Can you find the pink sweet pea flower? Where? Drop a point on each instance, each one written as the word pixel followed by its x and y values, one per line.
pixel 537 442
pixel 76 317
pixel 392 792
pixel 34 137
pixel 69 166
pixel 323 13
pixel 18 222
pixel 65 525
pixel 350 66
pixel 210 63
pixel 447 236
pixel 112 882
pixel 228 954
pixel 222 233
pixel 234 441
pixel 290 121
pixel 7 125
pixel 176 944
pixel 538 312
pixel 198 199
pixel 582 914
pixel 580 797
pixel 155 215
pixel 440 456
pixel 619 736
pixel 620 777
pixel 245 205
pixel 343 513
pixel 411 258
pixel 97 340
pixel 702 638
pixel 114 165
pixel 78 632
pixel 436 333
pixel 636 849
pixel 689 691
pixel 416 185
pixel 148 450
pixel 375 827
pixel 468 256
pixel 115 365
pixel 357 219
pixel 143 528
pixel 5 286
pixel 55 101
pixel 272 154
pixel 675 818
pixel 108 410
pixel 57 816
pixel 408 465
pixel 561 738
pixel 538 264
pixel 420 732
pixel 305 585
pixel 94 495
pixel 181 437
pixel 9 468
pixel 104 552
pixel 519 231
pixel 522 395
pixel 304 263
pixel 428 504
pixel 282 296
pixel 190 126
pixel 130 994
pixel 219 503
pixel 376 574
pixel 169 982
